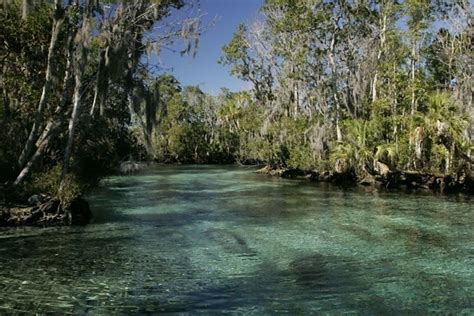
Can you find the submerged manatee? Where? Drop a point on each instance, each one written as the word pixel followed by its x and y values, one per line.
pixel 229 241
pixel 417 237
pixel 323 273
pixel 311 270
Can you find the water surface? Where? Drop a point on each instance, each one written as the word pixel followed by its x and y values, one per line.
pixel 207 239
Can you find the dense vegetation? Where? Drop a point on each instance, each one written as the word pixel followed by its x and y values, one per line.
pixel 360 88
pixel 74 83
pixel 363 88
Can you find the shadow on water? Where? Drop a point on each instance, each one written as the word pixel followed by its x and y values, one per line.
pixel 311 284
pixel 333 281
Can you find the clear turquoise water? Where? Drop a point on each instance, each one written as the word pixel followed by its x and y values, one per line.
pixel 216 240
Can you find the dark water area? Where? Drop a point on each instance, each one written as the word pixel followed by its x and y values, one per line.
pixel 217 239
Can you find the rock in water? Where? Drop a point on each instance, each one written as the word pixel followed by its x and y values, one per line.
pixel 37 199
pixel 367 180
pixel 381 168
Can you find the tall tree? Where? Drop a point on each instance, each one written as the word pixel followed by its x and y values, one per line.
pixel 58 19
pixel 106 50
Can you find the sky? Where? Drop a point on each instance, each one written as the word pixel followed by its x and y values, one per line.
pixel 203 70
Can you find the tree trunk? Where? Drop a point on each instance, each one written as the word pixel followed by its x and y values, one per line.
pixel 6 103
pixel 79 66
pixel 134 115
pixel 48 133
pixel 53 124
pixel 26 8
pixel 296 100
pixel 413 69
pixel 334 85
pixel 379 57
pixel 100 85
pixel 72 125
pixel 28 148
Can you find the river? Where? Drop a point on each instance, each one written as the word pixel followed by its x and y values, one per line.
pixel 222 239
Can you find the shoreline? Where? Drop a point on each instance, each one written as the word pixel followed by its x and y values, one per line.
pixel 382 177
pixel 50 212
pixel 389 180
pixel 47 212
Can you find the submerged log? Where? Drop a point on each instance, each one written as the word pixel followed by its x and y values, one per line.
pixel 47 213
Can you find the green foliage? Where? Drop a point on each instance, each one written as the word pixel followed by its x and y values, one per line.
pixel 236 50
pixel 351 87
pixel 48 97
pixel 48 181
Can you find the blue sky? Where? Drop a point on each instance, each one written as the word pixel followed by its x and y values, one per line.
pixel 203 70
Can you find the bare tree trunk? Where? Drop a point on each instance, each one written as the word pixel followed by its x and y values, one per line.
pixel 79 66
pixel 334 85
pixel 72 125
pixel 413 94
pixel 53 124
pixel 296 97
pixel 100 85
pixel 413 68
pixel 28 148
pixel 450 62
pixel 6 102
pixel 379 56
pixel 48 133
pixel 135 115
pixel 94 102
pixel 26 8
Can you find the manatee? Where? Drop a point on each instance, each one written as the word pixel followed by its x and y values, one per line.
pixel 418 236
pixel 310 270
pixel 360 232
pixel 327 273
pixel 229 241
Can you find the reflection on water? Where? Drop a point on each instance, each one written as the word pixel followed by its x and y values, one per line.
pixel 222 239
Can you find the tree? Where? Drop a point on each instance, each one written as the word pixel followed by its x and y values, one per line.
pixel 85 40
pixel 248 64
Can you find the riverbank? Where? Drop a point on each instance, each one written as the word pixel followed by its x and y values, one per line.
pixel 382 177
pixel 43 210
pixel 46 211
pixel 28 206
